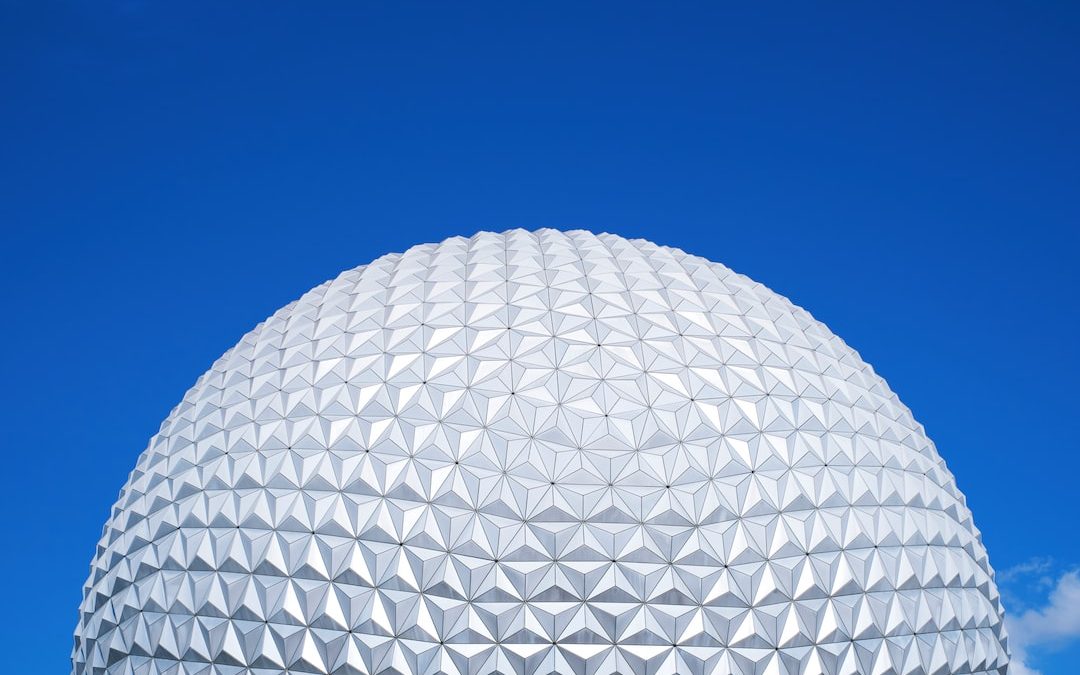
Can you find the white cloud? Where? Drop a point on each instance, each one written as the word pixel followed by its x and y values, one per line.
pixel 1055 624
pixel 1017 667
pixel 1033 566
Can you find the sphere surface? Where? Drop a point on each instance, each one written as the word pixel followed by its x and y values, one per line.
pixel 540 452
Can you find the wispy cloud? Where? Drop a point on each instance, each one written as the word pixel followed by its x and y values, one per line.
pixel 1038 566
pixel 1054 624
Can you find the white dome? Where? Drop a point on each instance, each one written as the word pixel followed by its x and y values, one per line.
pixel 540 452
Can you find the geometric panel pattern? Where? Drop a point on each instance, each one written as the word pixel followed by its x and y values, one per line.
pixel 540 452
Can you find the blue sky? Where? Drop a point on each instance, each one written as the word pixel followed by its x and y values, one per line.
pixel 174 172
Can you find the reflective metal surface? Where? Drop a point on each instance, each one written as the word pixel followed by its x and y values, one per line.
pixel 540 452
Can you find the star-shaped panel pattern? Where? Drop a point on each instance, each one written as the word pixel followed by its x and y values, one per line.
pixel 540 452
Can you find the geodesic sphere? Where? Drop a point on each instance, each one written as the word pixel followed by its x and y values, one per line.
pixel 540 452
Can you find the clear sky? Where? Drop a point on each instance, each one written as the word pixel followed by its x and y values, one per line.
pixel 174 172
